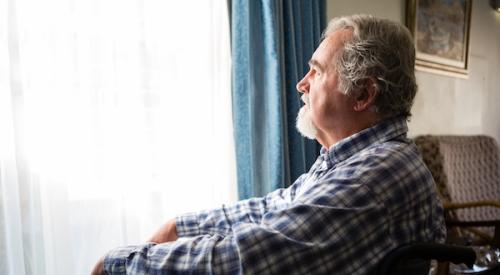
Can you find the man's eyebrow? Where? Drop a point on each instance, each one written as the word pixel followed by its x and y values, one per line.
pixel 315 63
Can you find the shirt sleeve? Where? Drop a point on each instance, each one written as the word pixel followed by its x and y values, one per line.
pixel 220 220
pixel 200 255
pixel 300 239
pixel 320 234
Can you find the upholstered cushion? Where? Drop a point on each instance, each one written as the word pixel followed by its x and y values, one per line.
pixel 472 168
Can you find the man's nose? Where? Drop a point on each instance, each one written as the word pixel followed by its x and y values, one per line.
pixel 303 85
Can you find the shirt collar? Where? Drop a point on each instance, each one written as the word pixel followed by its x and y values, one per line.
pixel 383 131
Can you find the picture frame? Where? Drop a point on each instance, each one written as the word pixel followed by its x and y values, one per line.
pixel 441 31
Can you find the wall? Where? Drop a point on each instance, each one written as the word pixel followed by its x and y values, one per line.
pixel 448 105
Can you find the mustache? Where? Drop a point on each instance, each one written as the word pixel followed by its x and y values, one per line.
pixel 305 99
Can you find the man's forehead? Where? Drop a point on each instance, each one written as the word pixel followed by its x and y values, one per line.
pixel 330 45
pixel 323 53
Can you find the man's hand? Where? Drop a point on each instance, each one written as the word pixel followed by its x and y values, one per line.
pixel 99 267
pixel 166 233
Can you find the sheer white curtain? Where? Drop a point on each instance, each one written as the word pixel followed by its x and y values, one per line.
pixel 114 117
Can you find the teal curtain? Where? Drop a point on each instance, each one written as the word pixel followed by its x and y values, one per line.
pixel 272 41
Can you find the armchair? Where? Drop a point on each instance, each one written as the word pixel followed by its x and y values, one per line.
pixel 466 170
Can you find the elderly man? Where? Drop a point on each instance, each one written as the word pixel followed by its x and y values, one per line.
pixel 367 193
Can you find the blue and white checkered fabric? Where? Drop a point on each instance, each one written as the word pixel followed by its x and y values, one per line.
pixel 366 195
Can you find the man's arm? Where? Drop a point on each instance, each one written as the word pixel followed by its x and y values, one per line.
pixel 217 221
pixel 200 255
pixel 302 238
pixel 220 220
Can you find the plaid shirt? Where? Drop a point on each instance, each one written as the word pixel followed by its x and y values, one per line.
pixel 366 195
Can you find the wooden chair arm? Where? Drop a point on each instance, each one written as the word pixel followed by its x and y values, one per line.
pixel 459 205
pixel 495 241
pixel 472 223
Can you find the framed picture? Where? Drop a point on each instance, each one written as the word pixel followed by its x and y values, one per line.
pixel 440 30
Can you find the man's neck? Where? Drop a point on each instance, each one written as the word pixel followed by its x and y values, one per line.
pixel 332 136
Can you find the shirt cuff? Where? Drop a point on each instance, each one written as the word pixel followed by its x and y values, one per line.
pixel 115 262
pixel 187 225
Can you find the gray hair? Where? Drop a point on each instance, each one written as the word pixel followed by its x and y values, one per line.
pixel 383 51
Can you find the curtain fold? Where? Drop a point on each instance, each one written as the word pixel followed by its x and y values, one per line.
pixel 272 41
pixel 11 238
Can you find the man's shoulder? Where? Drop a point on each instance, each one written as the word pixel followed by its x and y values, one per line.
pixel 392 152
pixel 385 163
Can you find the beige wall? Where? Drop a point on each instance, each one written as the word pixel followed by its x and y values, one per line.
pixel 448 105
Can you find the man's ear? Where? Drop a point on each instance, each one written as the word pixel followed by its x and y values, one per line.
pixel 365 97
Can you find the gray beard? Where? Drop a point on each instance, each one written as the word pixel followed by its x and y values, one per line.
pixel 304 123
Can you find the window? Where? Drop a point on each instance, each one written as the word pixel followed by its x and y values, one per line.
pixel 119 114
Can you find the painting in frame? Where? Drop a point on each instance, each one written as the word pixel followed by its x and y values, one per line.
pixel 440 30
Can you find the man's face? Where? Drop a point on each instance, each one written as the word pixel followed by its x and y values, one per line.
pixel 328 108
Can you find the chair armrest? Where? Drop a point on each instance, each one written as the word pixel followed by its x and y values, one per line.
pixel 458 205
pixel 495 241
pixel 473 223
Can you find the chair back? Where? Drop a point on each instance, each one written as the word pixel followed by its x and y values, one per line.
pixel 472 166
pixel 465 169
